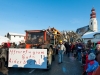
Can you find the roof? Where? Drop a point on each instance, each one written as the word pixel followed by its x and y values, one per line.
pixel 10 33
pixel 82 30
pixel 33 30
pixel 89 34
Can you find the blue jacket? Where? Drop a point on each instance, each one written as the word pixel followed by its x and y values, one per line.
pixel 92 67
pixel 79 47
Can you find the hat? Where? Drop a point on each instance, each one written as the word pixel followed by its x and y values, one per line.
pixel 91 56
pixel 98 42
pixel 60 41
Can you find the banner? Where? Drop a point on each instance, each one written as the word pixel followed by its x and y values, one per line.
pixel 27 58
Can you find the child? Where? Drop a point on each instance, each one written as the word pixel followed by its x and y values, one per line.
pixel 92 65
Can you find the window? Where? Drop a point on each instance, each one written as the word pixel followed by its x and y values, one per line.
pixel 91 23
pixel 97 36
pixel 19 36
pixel 14 36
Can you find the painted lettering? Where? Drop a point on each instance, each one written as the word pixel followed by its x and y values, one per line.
pixel 14 51
pixel 23 51
pixel 9 60
pixel 26 51
pixel 27 57
pixel 11 51
pixel 23 56
pixel 17 62
pixel 33 53
pixel 24 62
pixel 30 56
pixel 42 52
pixel 14 61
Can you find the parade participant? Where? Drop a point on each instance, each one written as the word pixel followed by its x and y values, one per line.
pixel 61 50
pixel 92 65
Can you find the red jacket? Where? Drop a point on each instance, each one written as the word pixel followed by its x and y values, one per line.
pixel 87 61
pixel 8 45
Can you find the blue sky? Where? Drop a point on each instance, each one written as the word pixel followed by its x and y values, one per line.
pixel 20 15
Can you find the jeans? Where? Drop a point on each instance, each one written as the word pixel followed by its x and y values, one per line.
pixel 60 55
pixel 79 56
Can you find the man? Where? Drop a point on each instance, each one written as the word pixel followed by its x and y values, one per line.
pixel 61 50
pixel 79 50
pixel 67 46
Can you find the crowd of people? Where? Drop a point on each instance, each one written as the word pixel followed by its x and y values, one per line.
pixel 88 54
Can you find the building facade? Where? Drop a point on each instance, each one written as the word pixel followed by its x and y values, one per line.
pixel 15 37
pixel 93 36
pixel 93 21
pixel 92 27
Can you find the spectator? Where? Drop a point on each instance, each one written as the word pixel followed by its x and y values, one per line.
pixel 97 72
pixel 67 46
pixel 92 65
pixel 79 50
pixel 72 47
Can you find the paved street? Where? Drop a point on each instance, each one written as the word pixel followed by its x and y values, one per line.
pixel 70 66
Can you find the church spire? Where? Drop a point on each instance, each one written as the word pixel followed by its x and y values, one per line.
pixel 93 13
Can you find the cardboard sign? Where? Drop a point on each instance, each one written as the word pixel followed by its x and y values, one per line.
pixel 27 58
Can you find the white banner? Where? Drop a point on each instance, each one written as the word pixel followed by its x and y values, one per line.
pixel 27 58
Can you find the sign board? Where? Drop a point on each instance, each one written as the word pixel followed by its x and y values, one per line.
pixel 27 58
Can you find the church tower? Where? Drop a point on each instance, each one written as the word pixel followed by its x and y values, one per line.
pixel 93 21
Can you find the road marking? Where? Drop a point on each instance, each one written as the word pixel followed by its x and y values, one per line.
pixel 32 71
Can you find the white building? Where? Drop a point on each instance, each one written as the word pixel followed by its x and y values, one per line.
pixel 3 39
pixel 93 21
pixel 93 34
pixel 15 37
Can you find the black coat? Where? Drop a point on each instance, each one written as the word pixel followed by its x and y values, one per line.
pixel 67 46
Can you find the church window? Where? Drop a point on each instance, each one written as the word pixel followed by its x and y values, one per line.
pixel 91 23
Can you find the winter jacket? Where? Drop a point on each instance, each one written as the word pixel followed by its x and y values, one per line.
pixel 67 46
pixel 92 66
pixel 79 48
pixel 97 72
